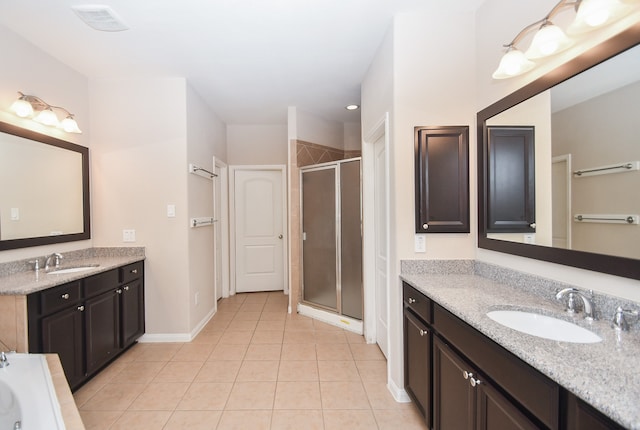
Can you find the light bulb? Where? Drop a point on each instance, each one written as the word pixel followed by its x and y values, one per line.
pixel 549 40
pixel 22 108
pixel 47 117
pixel 513 63
pixel 70 125
pixel 596 13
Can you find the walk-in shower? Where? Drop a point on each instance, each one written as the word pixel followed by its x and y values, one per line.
pixel 332 237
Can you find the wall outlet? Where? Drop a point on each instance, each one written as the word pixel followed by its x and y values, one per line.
pixel 196 298
pixel 15 214
pixel 128 235
pixel 530 238
pixel 420 244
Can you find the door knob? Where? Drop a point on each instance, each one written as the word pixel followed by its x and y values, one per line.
pixel 280 237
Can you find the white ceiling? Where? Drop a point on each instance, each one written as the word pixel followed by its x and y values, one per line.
pixel 248 59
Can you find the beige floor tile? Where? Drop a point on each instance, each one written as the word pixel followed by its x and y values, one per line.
pixel 236 337
pixel 160 396
pixel 251 307
pixel 242 325
pixel 275 307
pixel 343 395
pixel 209 338
pixel 267 337
pixel 354 337
pixel 228 352
pixel 298 324
pixel 302 351
pixel 218 326
pixel 380 397
pixel 142 420
pixel 330 337
pixel 343 370
pixel 366 351
pixel 194 352
pixel 193 420
pixel 394 419
pixel 178 371
pixel 248 316
pixel 350 419
pixel 261 370
pixel 319 325
pixel 157 352
pixel 85 393
pixel 333 351
pixel 205 396
pixel 251 395
pixel 227 307
pixel 99 420
pixel 244 420
pixel 372 370
pixel 219 371
pixel 270 325
pixel 263 352
pixel 273 316
pixel 260 297
pixel 298 395
pixel 298 371
pixel 297 419
pixel 306 336
pixel 140 372
pixel 114 397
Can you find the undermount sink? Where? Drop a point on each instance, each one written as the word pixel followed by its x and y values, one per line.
pixel 71 270
pixel 543 326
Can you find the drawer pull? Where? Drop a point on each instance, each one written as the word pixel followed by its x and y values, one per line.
pixel 119 291
pixel 81 308
pixel 126 288
pixel 65 296
pixel 475 382
pixel 134 271
pixel 467 375
pixel 423 332
pixel 411 300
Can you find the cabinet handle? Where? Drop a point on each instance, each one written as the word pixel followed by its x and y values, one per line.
pixel 119 291
pixel 134 271
pixel 411 300
pixel 475 382
pixel 467 375
pixel 126 288
pixel 425 226
pixel 81 308
pixel 423 332
pixel 65 296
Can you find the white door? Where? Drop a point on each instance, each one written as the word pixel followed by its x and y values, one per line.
pixel 217 204
pixel 381 261
pixel 259 229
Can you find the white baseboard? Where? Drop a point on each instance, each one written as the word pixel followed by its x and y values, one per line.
pixel 177 337
pixel 399 394
pixel 331 318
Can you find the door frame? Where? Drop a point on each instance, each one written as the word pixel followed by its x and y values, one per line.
pixel 232 216
pixel 568 174
pixel 380 129
pixel 221 169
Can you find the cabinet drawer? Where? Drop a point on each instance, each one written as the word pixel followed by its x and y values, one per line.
pixel 100 283
pixel 417 302
pixel 59 297
pixel 131 271
pixel 533 390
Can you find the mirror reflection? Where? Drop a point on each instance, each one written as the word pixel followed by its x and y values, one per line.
pixel 43 189
pixel 586 160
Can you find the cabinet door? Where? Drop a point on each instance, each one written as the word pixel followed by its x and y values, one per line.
pixel 511 180
pixel 582 416
pixel 62 334
pixel 417 352
pixel 132 312
pixel 102 319
pixel 442 179
pixel 454 398
pixel 494 411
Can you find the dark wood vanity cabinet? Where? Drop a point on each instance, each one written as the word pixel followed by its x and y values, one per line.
pixel 90 321
pixel 442 179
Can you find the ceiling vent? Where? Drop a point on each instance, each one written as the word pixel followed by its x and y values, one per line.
pixel 100 17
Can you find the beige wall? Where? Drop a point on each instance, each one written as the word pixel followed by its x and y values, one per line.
pixel 30 70
pixel 579 131
pixel 256 144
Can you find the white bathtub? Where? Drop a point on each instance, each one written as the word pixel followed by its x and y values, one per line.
pixel 27 395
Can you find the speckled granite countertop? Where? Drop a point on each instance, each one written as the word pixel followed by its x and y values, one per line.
pixel 604 374
pixel 23 282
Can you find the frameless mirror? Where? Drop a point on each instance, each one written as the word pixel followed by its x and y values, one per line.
pixel 584 116
pixel 44 189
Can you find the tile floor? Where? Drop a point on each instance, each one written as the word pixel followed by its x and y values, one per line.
pixel 252 367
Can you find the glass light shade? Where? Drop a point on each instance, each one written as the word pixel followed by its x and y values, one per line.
pixel 47 117
pixel 70 125
pixel 596 13
pixel 513 63
pixel 549 40
pixel 22 108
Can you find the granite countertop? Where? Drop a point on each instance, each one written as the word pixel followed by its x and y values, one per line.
pixel 27 282
pixel 604 374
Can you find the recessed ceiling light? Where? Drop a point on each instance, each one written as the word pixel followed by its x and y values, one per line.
pixel 100 17
pixel 352 107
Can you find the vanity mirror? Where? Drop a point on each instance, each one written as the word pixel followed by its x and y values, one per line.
pixel 587 154
pixel 44 189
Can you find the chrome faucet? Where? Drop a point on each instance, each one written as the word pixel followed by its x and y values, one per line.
pixel 56 257
pixel 4 362
pixel 571 294
pixel 619 321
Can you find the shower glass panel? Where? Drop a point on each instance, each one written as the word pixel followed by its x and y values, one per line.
pixel 319 251
pixel 350 240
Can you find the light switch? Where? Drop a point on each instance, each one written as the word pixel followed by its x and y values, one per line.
pixel 15 214
pixel 420 243
pixel 171 211
pixel 128 235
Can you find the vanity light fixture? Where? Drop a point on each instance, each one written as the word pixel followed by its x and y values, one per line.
pixel 27 106
pixel 551 39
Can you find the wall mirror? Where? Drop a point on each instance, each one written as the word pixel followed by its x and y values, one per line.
pixel 44 189
pixel 587 161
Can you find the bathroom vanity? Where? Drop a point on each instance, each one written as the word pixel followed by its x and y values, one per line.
pixel 465 370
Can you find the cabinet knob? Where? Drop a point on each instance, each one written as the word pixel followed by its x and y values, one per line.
pixel 126 288
pixel 467 375
pixel 81 308
pixel 119 291
pixel 411 300
pixel 423 332
pixel 532 225
pixel 425 226
pixel 134 271
pixel 475 382
pixel 65 296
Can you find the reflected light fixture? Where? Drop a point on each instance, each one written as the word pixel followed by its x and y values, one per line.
pixel 352 107
pixel 27 106
pixel 550 39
